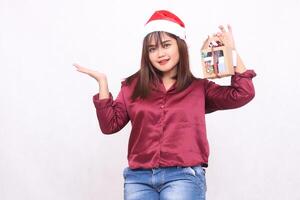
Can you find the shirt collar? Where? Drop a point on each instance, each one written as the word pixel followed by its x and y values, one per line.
pixel 159 86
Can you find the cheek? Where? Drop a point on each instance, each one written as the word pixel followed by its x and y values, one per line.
pixel 151 58
pixel 175 56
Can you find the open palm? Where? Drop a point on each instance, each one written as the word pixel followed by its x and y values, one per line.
pixel 95 74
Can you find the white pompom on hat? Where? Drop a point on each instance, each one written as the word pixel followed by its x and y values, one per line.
pixel 163 20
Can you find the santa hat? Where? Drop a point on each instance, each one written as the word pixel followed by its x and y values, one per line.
pixel 163 20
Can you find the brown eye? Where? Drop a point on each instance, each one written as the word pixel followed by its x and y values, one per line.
pixel 151 49
pixel 166 45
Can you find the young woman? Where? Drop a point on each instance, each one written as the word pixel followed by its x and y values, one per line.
pixel 168 149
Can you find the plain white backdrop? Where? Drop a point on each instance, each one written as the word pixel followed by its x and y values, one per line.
pixel 51 146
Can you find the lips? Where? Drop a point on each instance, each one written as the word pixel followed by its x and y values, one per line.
pixel 163 62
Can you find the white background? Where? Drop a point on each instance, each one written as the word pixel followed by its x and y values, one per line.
pixel 51 146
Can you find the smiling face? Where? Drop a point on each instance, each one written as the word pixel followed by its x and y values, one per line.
pixel 164 54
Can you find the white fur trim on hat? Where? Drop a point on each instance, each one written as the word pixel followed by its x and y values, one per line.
pixel 165 25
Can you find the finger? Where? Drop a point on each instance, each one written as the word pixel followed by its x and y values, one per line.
pixel 204 42
pixel 206 39
pixel 219 34
pixel 80 68
pixel 76 65
pixel 221 40
pixel 221 27
pixel 229 28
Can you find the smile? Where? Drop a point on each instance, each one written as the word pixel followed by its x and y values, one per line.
pixel 163 62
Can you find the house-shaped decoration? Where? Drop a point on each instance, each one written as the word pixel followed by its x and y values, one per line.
pixel 216 59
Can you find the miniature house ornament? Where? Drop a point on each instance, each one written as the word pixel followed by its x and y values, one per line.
pixel 218 60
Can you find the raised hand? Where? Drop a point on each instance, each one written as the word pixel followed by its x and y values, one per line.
pixel 95 74
pixel 100 78
pixel 226 36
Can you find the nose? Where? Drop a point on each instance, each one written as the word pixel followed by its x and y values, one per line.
pixel 161 52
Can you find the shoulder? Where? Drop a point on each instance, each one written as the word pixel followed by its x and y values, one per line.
pixel 128 84
pixel 201 84
pixel 131 80
pixel 200 81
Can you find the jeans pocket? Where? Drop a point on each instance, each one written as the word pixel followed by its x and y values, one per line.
pixel 189 171
pixel 200 172
pixel 125 171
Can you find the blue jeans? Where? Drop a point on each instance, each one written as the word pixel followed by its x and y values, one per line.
pixel 167 183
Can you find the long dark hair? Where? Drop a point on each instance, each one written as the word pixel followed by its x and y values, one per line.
pixel 148 74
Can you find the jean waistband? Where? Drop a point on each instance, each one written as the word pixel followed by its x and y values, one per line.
pixel 204 165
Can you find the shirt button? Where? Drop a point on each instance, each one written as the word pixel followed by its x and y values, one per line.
pixel 162 106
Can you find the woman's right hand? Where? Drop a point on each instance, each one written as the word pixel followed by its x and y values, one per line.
pixel 95 74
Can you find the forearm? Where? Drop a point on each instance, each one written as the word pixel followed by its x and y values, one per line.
pixel 103 89
pixel 112 114
pixel 240 67
pixel 238 94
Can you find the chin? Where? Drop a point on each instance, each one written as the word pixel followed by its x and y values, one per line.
pixel 164 68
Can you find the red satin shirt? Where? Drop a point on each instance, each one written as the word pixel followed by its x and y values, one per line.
pixel 168 128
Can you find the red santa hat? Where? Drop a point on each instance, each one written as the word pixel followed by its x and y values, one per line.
pixel 163 20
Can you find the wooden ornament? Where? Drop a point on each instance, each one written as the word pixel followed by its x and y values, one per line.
pixel 216 59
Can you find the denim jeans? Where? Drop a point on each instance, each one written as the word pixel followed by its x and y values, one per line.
pixel 166 183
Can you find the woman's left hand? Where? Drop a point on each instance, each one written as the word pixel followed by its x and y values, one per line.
pixel 226 36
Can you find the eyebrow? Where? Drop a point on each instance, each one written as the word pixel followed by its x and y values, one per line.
pixel 153 45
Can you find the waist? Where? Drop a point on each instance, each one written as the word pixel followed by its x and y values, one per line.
pixel 203 165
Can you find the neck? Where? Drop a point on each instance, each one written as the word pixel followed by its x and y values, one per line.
pixel 167 76
pixel 168 79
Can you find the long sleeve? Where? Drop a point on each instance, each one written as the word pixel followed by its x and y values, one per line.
pixel 112 114
pixel 238 94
